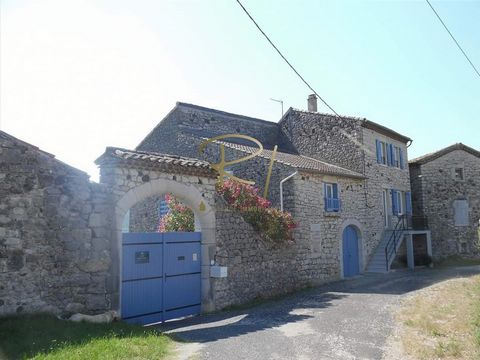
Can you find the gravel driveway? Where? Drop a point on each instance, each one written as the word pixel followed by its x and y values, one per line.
pixel 350 319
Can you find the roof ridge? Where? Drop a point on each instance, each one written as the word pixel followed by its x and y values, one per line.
pixel 439 153
pixel 225 113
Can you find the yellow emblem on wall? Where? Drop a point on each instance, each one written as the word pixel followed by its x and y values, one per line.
pixel 220 166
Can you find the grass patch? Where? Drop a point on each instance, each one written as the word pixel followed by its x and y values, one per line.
pixel 456 260
pixel 46 337
pixel 443 321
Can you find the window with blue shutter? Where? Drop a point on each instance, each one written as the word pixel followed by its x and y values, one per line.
pixel 401 158
pixel 379 152
pixel 389 154
pixel 394 202
pixel 163 208
pixel 332 201
pixel 408 202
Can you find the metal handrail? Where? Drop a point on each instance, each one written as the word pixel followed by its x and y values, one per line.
pixel 393 238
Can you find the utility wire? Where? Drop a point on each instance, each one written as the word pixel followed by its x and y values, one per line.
pixel 284 58
pixel 455 40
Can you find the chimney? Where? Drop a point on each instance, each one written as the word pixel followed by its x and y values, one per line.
pixel 312 103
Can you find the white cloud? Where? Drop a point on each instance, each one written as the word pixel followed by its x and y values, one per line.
pixel 75 78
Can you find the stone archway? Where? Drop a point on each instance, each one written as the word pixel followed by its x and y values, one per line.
pixel 204 223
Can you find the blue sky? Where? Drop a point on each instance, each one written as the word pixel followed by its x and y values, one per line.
pixel 81 75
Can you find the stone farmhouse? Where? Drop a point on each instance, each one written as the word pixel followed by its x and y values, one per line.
pixel 71 245
pixel 446 190
pixel 344 179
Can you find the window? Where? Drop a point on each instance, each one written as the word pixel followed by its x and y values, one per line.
pixel 397 155
pixel 458 174
pixel 381 152
pixel 389 154
pixel 401 202
pixel 461 212
pixel 163 208
pixel 332 201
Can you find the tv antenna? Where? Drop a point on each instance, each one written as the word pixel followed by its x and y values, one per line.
pixel 279 101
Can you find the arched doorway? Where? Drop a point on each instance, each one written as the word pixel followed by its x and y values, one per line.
pixel 350 246
pixel 171 268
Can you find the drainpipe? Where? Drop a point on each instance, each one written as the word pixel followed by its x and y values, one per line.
pixel 281 188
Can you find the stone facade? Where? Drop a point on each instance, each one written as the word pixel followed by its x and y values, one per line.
pixel 55 230
pixel 436 190
pixel 347 142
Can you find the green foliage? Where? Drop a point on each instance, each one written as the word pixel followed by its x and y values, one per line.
pixel 179 217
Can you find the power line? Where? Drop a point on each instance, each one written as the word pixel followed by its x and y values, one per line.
pixel 455 40
pixel 285 59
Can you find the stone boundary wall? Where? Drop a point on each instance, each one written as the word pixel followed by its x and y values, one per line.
pixel 54 234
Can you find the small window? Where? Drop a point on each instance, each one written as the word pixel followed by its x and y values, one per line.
pixel 458 174
pixel 332 201
pixel 460 208
pixel 383 153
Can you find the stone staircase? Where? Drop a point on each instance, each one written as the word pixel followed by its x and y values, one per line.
pixel 378 263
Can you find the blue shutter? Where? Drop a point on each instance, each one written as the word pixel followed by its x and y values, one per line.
pixel 408 202
pixel 336 200
pixel 379 152
pixel 325 196
pixel 394 202
pixel 389 154
pixel 401 159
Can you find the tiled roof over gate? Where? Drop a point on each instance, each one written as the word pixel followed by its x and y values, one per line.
pixel 143 159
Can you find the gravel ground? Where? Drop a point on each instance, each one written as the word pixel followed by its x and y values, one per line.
pixel 351 319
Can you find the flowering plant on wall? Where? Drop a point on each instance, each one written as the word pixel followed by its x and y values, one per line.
pixel 274 224
pixel 178 218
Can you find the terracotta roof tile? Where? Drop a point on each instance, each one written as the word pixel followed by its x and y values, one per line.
pixel 299 162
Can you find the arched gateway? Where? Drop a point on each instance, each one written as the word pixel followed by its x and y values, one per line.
pixel 160 276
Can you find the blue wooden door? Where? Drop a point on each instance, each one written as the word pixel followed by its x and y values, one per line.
pixel 161 277
pixel 351 265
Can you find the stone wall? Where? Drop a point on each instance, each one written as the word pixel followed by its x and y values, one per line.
pixel 145 216
pixel 380 178
pixel 320 233
pixel 200 122
pixel 325 137
pixel 436 190
pixel 55 231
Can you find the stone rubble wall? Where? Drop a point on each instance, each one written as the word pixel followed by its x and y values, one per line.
pixel 55 230
pixel 436 190
pixel 380 178
pixel 320 233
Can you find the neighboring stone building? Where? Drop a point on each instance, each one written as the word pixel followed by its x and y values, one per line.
pixel 55 231
pixel 369 202
pixel 446 189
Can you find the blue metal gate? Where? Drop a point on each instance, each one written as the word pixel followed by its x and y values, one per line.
pixel 350 252
pixel 161 277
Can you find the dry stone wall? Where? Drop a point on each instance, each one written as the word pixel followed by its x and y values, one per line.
pixel 54 234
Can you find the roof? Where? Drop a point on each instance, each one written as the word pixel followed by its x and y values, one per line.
pixel 299 162
pixel 364 122
pixel 223 113
pixel 155 160
pixel 435 155
pixel 8 137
